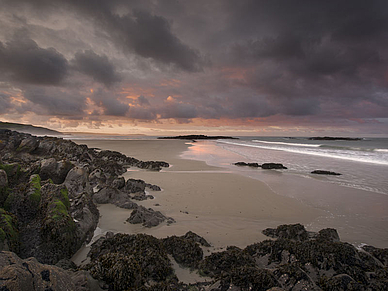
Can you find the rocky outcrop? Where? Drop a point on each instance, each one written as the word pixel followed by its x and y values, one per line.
pixel 295 232
pixel 244 164
pixel 266 166
pixel 148 217
pixel 30 275
pixel 269 166
pixel 186 252
pixel 114 196
pixel 323 172
pixel 56 171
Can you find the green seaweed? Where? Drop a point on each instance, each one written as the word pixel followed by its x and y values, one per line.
pixel 9 201
pixel 35 183
pixel 65 195
pixel 8 229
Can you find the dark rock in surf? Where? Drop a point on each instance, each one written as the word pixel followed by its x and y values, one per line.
pixel 244 164
pixel 323 172
pixel 269 166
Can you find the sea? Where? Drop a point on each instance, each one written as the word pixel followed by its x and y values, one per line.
pixel 363 163
pixel 355 202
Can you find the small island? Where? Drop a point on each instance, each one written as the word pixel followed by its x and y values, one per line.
pixel 195 137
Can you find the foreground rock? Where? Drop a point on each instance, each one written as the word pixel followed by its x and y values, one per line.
pixel 148 217
pixel 47 186
pixel 323 172
pixel 299 260
pixel 30 275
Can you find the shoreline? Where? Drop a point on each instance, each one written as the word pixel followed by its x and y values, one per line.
pixel 225 208
pixel 283 186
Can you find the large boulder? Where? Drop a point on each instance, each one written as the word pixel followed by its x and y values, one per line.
pixel 77 181
pixel 30 275
pixel 114 196
pixel 56 171
pixel 148 217
pixel 28 144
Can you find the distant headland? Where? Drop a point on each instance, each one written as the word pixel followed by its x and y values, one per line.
pixel 28 128
pixel 195 137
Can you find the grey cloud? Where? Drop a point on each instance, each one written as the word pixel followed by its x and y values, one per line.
pixel 5 102
pixel 96 66
pixel 55 102
pixel 143 101
pixel 24 61
pixel 108 102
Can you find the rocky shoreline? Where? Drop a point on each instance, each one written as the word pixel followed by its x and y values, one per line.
pixel 49 190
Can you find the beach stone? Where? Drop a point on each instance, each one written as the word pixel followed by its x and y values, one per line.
pixel 77 181
pixel 118 183
pixel 28 144
pixel 148 217
pixel 153 187
pixel 269 166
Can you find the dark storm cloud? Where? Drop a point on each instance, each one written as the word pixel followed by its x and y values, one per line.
pixel 108 102
pixel 96 66
pixel 143 101
pixel 5 102
pixel 54 102
pixel 24 61
pixel 267 58
pixel 133 30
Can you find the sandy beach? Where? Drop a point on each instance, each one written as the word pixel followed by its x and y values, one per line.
pixel 225 208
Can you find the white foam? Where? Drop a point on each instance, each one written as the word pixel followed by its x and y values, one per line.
pixel 331 154
pixel 289 143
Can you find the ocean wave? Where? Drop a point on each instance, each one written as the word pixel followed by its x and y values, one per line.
pixel 289 143
pixel 370 158
pixel 381 150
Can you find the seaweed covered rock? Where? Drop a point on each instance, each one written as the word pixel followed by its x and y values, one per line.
pixel 51 235
pixel 196 238
pixel 148 217
pixel 3 187
pixel 129 261
pixel 185 251
pixel 288 231
pixel 223 262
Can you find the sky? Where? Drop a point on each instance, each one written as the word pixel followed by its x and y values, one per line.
pixel 247 67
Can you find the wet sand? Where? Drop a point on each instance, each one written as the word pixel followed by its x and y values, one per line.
pixel 225 208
